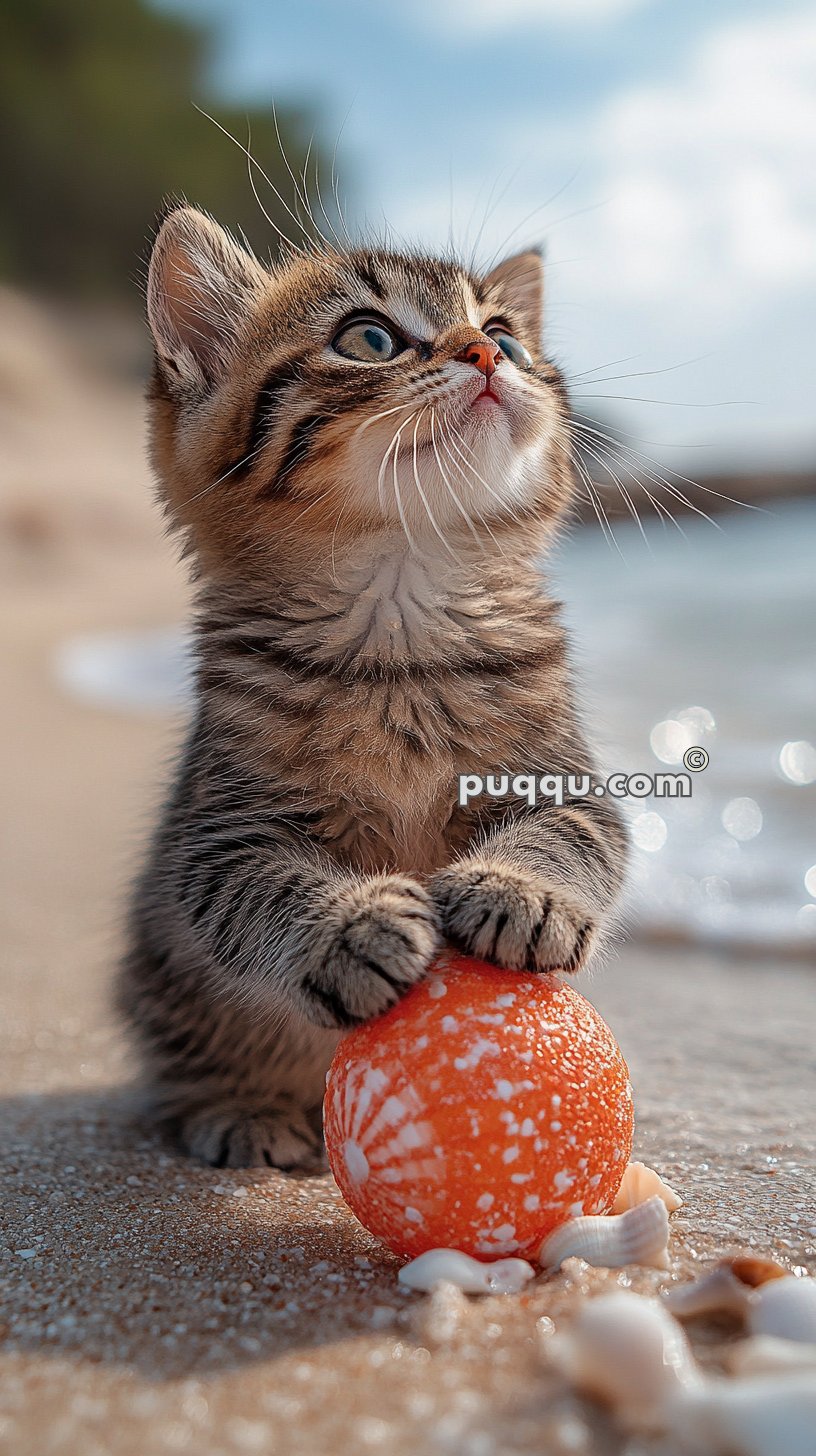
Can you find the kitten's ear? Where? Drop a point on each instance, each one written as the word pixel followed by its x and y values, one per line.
pixel 519 281
pixel 201 287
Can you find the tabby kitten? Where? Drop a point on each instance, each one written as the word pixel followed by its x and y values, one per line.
pixel 365 453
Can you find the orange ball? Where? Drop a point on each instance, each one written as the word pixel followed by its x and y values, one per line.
pixel 479 1113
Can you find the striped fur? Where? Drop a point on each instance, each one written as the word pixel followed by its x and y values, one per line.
pixel 370 623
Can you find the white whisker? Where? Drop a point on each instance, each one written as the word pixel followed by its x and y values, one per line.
pixel 695 484
pixel 422 495
pixel 267 179
pixel 451 492
pixel 598 507
pixel 335 179
pixel 632 508
pixel 384 462
pixel 505 506
pixel 446 440
pixel 237 466
pixel 397 496
pixel 332 229
pixel 372 420
pixel 300 193
pixel 637 374
pixel 659 479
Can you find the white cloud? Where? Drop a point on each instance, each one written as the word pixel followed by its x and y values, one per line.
pixel 686 214
pixel 711 179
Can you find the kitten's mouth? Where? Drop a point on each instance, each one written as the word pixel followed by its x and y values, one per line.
pixel 487 398
pixel 490 396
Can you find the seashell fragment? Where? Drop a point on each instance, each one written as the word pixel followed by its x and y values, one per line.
pixel 640 1182
pixel 639 1236
pixel 769 1299
pixel 774 1415
pixel 719 1292
pixel 785 1308
pixel 769 1355
pixel 472 1276
pixel 628 1352
pixel 753 1271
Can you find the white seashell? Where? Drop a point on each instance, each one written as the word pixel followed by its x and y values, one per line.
pixel 640 1182
pixel 472 1276
pixel 628 1352
pixel 719 1292
pixel 785 1308
pixel 639 1236
pixel 731 1288
pixel 774 1415
pixel 769 1355
pixel 762 1293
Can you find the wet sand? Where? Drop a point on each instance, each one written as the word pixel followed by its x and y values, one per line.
pixel 149 1305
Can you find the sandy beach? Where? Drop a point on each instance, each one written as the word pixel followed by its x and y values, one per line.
pixel 151 1305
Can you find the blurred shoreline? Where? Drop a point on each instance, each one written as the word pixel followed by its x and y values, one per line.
pixel 110 345
pixel 709 495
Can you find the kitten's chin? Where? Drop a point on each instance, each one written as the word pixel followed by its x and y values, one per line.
pixel 491 461
pixel 504 440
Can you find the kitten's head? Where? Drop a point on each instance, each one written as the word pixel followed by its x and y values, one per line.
pixel 341 394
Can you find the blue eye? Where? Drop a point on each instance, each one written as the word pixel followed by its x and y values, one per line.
pixel 367 341
pixel 516 352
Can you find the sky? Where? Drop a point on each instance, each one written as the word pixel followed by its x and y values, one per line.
pixel 663 153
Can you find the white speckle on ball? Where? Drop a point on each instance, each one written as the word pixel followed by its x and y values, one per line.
pixel 356 1161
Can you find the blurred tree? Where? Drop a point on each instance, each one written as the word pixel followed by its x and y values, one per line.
pixel 97 125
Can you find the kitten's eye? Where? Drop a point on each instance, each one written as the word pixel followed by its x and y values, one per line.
pixel 516 352
pixel 367 341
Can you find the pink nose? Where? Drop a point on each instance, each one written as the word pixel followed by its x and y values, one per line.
pixel 482 353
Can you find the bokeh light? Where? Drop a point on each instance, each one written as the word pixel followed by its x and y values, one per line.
pixel 700 722
pixel 670 739
pixel 742 819
pixel 797 761
pixel 649 831
pixel 806 919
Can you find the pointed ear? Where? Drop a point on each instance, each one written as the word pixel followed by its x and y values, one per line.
pixel 201 288
pixel 519 283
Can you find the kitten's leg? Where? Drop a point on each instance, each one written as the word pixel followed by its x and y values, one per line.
pixel 278 920
pixel 259 946
pixel 537 889
pixel 339 948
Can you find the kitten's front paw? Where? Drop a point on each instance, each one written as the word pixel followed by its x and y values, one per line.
pixel 377 940
pixel 515 919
